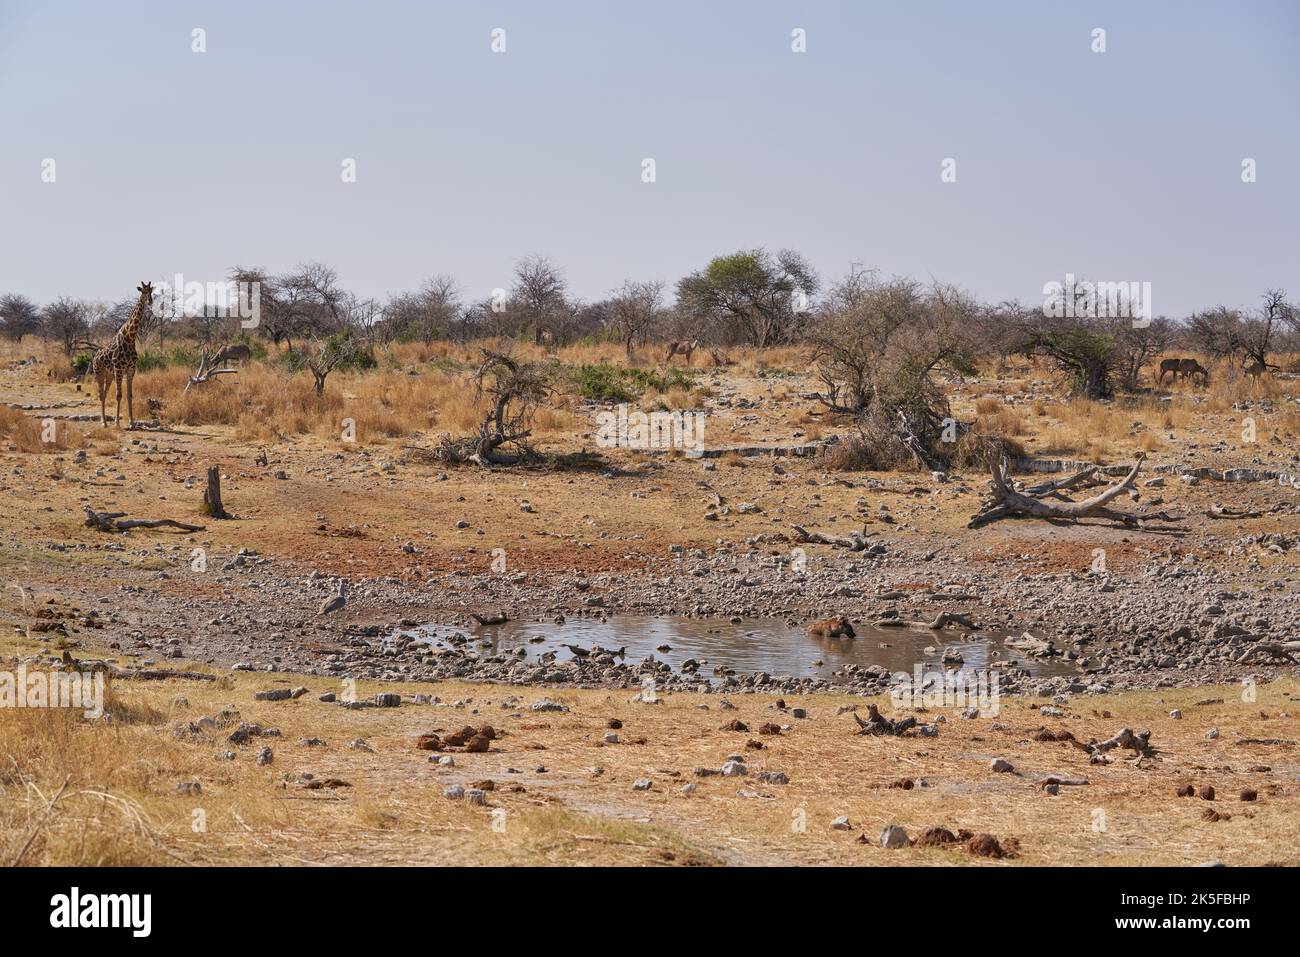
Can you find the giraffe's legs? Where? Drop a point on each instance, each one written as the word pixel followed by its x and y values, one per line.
pixel 117 419
pixel 101 380
pixel 130 406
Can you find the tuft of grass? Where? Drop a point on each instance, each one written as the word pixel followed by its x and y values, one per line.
pixel 28 434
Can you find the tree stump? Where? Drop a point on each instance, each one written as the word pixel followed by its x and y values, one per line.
pixel 212 494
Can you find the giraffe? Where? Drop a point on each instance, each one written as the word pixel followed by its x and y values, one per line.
pixel 117 359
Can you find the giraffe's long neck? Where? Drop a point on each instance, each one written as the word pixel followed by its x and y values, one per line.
pixel 126 335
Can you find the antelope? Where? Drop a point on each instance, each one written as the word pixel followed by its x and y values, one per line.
pixel 1255 369
pixel 837 627
pixel 1183 367
pixel 237 351
pixel 681 347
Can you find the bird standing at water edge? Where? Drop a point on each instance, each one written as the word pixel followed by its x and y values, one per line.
pixel 337 600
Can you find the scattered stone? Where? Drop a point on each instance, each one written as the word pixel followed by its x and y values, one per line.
pixel 641 784
pixel 894 836
pixel 1001 766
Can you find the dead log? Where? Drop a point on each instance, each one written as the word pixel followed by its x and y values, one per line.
pixel 951 618
pixel 877 723
pixel 914 445
pixel 212 494
pixel 1006 502
pixel 159 674
pixel 1275 650
pixel 1140 744
pixel 118 522
pixel 1220 511
pixel 854 541
pixel 206 372
pixel 1079 479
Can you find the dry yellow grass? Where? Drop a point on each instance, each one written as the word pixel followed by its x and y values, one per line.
pixel 26 433
pixel 263 403
pixel 75 792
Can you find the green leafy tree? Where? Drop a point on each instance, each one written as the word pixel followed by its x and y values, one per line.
pixel 752 295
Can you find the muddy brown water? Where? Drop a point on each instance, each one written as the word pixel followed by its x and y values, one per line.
pixel 754 645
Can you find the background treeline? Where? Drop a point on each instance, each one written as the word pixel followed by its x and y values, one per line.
pixel 756 298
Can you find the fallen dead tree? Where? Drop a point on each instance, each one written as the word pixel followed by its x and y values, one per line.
pixel 1276 651
pixel 1139 744
pixel 854 541
pixel 159 674
pixel 877 723
pixel 118 522
pixel 1222 511
pixel 1006 502
pixel 206 372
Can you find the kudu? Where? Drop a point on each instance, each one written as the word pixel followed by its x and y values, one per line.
pixel 1184 368
pixel 682 347
pixel 236 352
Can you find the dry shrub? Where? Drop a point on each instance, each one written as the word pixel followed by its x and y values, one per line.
pixel 863 453
pixel 993 417
pixel 980 451
pixel 27 434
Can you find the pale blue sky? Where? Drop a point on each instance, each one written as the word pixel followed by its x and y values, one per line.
pixel 1123 165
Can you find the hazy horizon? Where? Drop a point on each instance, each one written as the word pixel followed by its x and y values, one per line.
pixel 1117 166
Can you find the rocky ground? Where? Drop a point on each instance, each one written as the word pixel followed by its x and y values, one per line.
pixel 1169 626
pixel 1177 601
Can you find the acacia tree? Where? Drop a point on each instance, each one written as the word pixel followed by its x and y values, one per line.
pixel 1216 331
pixel 341 349
pixel 65 321
pixel 539 299
pixel 1260 332
pixel 19 316
pixel 1083 343
pixel 634 309
pixel 876 347
pixel 764 298
pixel 427 314
pixel 1138 345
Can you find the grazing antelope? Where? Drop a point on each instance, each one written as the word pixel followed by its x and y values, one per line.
pixel 837 627
pixel 1183 367
pixel 237 352
pixel 681 347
